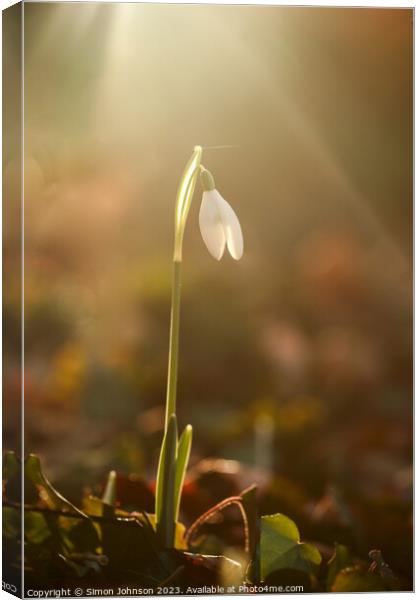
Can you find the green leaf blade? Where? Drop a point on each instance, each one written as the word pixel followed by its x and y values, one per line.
pixel 184 450
pixel 110 493
pixel 280 547
pixel 165 497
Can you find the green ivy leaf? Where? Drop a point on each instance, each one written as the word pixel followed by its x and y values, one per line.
pixel 36 528
pixel 280 547
pixel 11 522
pixel 50 495
pixel 87 535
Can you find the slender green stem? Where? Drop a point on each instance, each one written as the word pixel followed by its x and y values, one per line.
pixel 174 453
pixel 173 342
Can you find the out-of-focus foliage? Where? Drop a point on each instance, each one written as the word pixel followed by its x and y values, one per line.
pixel 105 544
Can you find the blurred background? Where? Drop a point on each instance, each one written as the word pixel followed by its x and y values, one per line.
pixel 295 361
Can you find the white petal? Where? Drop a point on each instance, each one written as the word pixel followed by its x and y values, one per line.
pixel 211 225
pixel 232 228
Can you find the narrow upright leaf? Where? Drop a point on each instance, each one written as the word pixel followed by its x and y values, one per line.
pixel 184 449
pixel 159 479
pixel 110 493
pixel 165 517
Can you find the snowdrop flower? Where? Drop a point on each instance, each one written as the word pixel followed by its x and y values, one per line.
pixel 219 225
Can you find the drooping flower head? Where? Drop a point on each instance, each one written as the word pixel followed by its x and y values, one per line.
pixel 218 222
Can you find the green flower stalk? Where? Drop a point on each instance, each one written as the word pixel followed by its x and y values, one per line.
pixel 219 227
pixel 182 207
